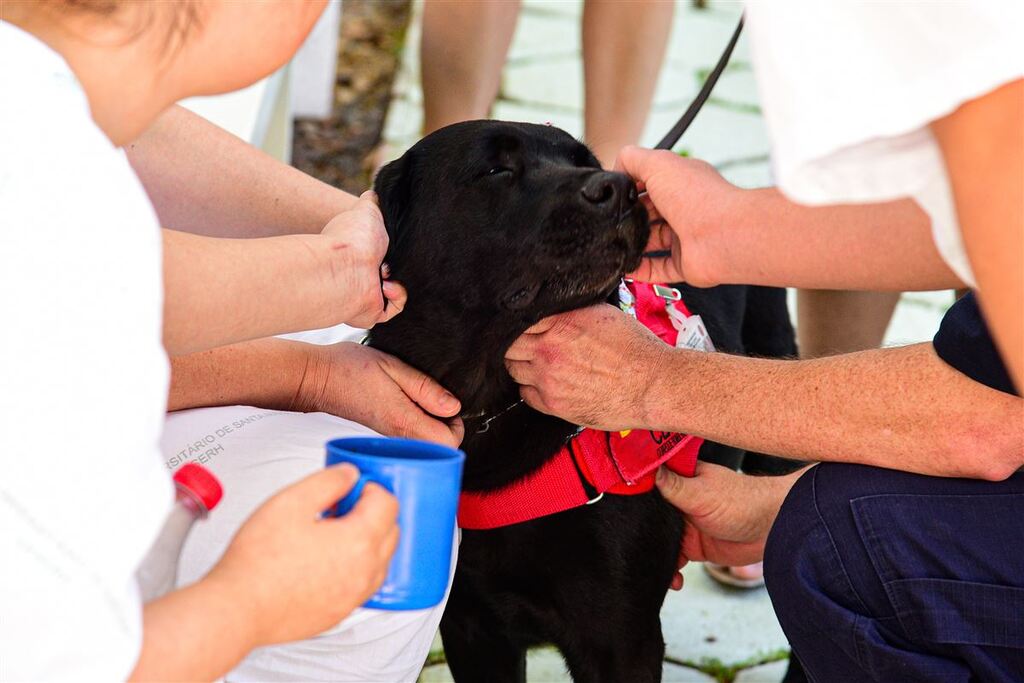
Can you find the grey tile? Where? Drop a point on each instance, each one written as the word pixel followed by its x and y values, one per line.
pixel 749 175
pixel 543 665
pixel 699 36
pixel 438 673
pixel 717 134
pixel 544 34
pixel 916 320
pixel 707 621
pixel 938 301
pixel 436 648
pixel 556 82
pixel 673 673
pixel 405 120
pixel 554 9
pixel 766 673
pixel 737 85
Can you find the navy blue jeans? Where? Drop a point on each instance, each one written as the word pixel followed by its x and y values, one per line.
pixel 886 576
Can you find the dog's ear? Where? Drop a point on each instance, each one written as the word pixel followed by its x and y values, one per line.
pixel 393 186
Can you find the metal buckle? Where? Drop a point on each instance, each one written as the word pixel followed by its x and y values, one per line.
pixel 667 293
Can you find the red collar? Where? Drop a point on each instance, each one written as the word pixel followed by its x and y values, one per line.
pixel 593 462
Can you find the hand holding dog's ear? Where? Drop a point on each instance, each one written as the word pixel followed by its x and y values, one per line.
pixel 690 206
pixel 364 297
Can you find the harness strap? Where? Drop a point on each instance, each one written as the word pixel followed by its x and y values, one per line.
pixel 593 462
pixel 566 482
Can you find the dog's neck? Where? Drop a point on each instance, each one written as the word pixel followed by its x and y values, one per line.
pixel 467 356
pixel 503 443
pixel 467 360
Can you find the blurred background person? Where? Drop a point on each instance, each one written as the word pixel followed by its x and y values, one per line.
pixel 465 45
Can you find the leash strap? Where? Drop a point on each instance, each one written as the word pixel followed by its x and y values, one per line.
pixel 672 137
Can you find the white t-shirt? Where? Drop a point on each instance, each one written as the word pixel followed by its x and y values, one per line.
pixel 255 453
pixel 83 379
pixel 848 90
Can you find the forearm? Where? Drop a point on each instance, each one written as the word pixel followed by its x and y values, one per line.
pixel 198 633
pixel 898 408
pixel 222 291
pixel 204 180
pixel 982 143
pixel 879 247
pixel 268 373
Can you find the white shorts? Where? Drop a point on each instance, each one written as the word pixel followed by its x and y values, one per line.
pixel 255 453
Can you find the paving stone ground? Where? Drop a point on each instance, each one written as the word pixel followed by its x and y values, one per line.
pixel 712 633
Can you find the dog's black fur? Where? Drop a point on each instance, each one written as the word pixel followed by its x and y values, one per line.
pixel 493 226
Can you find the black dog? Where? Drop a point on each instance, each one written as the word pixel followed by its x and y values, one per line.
pixel 493 226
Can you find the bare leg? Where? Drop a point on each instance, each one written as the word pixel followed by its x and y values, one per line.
pixel 623 48
pixel 463 49
pixel 831 322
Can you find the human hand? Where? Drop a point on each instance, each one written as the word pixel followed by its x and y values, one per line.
pixel 690 206
pixel 728 514
pixel 359 242
pixel 591 366
pixel 378 390
pixel 298 574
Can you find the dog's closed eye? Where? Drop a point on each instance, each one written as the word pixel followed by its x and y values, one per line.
pixel 499 170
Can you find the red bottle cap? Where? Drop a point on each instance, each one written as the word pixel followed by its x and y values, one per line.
pixel 201 483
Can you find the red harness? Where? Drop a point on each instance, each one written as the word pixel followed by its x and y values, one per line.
pixel 593 462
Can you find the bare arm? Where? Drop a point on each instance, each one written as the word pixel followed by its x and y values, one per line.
pixel 983 145
pixel 205 180
pixel 221 291
pixel 881 247
pixel 268 373
pixel 208 622
pixel 901 408
pixel 721 234
pixel 345 379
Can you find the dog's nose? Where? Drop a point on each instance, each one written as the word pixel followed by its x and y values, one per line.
pixel 607 189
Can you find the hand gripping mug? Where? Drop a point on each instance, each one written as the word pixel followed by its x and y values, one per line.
pixel 426 479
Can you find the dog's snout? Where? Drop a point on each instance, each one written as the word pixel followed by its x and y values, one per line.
pixel 608 189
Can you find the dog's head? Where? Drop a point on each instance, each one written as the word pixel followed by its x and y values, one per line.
pixel 494 225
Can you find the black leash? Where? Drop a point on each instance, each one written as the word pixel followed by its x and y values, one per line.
pixel 672 137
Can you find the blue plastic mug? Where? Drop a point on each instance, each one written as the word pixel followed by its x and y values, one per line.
pixel 426 479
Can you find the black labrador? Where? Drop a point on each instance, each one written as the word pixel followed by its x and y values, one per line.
pixel 493 226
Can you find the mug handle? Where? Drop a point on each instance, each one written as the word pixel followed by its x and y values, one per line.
pixel 349 500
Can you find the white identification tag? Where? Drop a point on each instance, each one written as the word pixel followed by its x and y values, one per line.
pixel 627 302
pixel 692 333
